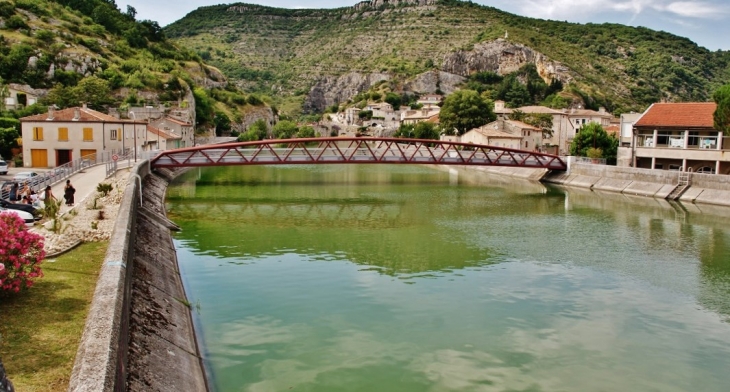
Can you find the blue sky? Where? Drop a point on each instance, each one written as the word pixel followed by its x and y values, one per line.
pixel 703 21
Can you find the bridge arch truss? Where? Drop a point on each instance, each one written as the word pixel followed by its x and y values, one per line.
pixel 339 150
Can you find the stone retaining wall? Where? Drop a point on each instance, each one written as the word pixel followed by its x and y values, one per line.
pixel 705 188
pixel 138 334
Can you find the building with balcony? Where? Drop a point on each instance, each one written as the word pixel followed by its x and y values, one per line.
pixel 677 136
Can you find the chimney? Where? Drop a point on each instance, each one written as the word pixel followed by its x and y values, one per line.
pixel 498 105
pixel 51 112
pixel 602 110
pixel 84 105
pixel 77 114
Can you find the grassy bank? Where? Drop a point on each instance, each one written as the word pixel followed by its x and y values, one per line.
pixel 40 329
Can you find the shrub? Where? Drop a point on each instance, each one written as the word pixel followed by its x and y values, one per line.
pixel 21 253
pixel 104 188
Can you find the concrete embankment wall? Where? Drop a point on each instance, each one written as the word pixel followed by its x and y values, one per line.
pixel 705 188
pixel 139 334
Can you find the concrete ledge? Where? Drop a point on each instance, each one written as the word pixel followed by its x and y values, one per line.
pixel 714 196
pixel 691 194
pixel 642 188
pixel 612 185
pixel 583 181
pixel 664 191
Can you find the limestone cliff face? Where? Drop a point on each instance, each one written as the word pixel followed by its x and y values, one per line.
pixel 503 57
pixel 333 89
pixel 253 114
pixel 378 4
pixel 434 81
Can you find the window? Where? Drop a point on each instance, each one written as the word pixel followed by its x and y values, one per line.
pixel 88 134
pixel 706 169
pixel 38 133
pixel 113 134
pixel 525 144
pixel 675 167
pixel 62 134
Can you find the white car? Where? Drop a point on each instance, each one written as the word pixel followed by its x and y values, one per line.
pixel 28 176
pixel 3 167
pixel 27 217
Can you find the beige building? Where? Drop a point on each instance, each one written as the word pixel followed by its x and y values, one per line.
pixel 677 136
pixel 158 139
pixel 417 115
pixel 491 135
pixel 60 136
pixel 182 134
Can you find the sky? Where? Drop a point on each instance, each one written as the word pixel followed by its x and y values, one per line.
pixel 702 21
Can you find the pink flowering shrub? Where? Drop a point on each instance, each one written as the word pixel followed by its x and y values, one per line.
pixel 21 253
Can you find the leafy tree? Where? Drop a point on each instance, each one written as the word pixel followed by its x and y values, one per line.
pixel 285 129
pixel 393 99
pixel 203 107
pixel 8 140
pixel 721 117
pixel 222 124
pixel 61 96
pixel 592 136
pixel 257 131
pixel 464 110
pixel 306 131
pixel 94 91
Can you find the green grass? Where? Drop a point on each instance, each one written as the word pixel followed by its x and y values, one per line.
pixel 40 329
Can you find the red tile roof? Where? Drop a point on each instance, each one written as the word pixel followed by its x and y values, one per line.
pixel 176 121
pixel 678 115
pixel 68 115
pixel 161 133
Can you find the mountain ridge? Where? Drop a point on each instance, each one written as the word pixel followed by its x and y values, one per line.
pixel 288 52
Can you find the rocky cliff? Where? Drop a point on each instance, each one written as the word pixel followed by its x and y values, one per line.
pixel 503 57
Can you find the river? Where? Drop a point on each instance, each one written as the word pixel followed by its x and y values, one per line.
pixel 408 278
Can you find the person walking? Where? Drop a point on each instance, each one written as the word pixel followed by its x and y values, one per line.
pixel 48 197
pixel 68 193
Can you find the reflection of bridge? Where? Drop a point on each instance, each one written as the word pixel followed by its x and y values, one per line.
pixel 295 214
pixel 354 150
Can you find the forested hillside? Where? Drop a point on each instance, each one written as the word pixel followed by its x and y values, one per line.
pixel 286 52
pixel 89 51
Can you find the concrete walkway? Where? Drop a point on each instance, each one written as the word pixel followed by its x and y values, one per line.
pixel 85 182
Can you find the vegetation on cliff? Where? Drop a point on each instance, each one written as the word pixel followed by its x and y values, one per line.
pixel 89 51
pixel 284 52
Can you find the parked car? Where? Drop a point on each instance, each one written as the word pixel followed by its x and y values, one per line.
pixel 31 178
pixel 3 167
pixel 25 216
pixel 34 212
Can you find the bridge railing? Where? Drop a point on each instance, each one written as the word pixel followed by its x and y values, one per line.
pixel 355 150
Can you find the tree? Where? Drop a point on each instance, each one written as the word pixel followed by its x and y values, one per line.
pixel 222 124
pixel 8 140
pixel 94 91
pixel 721 117
pixel 465 110
pixel 593 137
pixel 306 132
pixel 257 131
pixel 285 129
pixel 393 99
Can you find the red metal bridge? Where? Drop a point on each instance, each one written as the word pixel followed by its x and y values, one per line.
pixel 339 150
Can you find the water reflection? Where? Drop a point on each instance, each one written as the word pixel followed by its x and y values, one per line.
pixel 513 285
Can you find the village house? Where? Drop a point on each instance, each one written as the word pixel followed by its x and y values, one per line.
pixel 60 136
pixel 430 101
pixel 182 134
pixel 158 139
pixel 419 115
pixel 19 95
pixel 677 136
pixel 491 135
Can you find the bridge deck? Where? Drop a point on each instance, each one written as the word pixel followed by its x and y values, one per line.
pixel 355 150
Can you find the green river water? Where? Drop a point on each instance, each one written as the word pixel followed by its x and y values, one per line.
pixel 407 278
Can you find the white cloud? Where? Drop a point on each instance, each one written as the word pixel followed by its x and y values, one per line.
pixel 569 9
pixel 695 9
